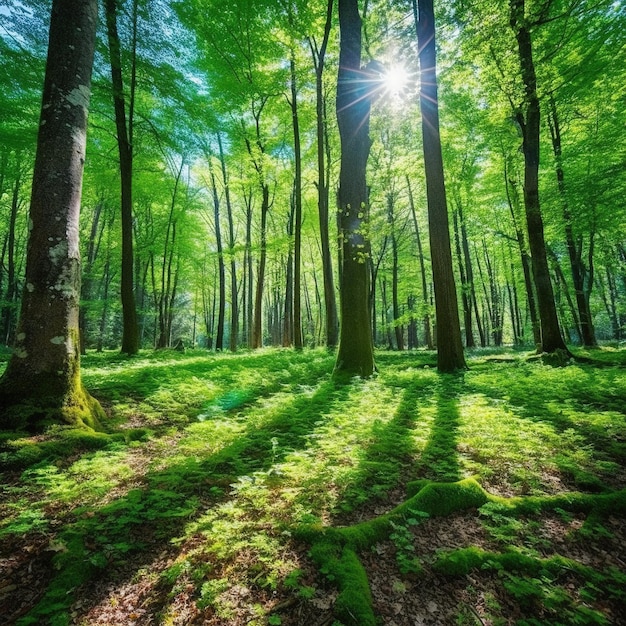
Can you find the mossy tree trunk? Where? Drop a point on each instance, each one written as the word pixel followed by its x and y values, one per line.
pixel 449 344
pixel 356 350
pixel 42 382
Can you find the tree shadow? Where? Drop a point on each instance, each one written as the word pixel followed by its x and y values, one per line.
pixel 145 520
pixel 439 458
pixel 388 461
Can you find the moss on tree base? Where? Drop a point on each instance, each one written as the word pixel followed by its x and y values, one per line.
pixel 34 403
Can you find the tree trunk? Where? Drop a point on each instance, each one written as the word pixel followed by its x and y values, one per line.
pixel 234 304
pixel 42 383
pixel 248 275
pixel 287 338
pixel 93 246
pixel 528 117
pixel 257 326
pixel 449 346
pixel 330 301
pixel 428 336
pixel 466 295
pixel 574 249
pixel 297 190
pixel 130 330
pixel 395 299
pixel 356 350
pixel 11 293
pixel 221 268
pixel 513 201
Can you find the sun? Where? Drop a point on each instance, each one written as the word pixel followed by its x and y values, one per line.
pixel 396 79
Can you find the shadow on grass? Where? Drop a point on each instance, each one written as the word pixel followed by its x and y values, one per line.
pixel 439 459
pixel 386 462
pixel 580 405
pixel 145 519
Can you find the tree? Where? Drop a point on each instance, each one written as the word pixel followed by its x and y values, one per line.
pixel 130 334
pixel 319 61
pixel 42 381
pixel 449 345
pixel 528 117
pixel 356 350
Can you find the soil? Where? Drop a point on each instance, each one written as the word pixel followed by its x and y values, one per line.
pixel 132 592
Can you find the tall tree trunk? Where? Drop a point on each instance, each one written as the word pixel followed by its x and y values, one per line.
pixel 428 336
pixel 528 117
pixel 42 381
pixel 330 301
pixel 93 245
pixel 287 337
pixel 513 201
pixel 221 268
pixel 257 325
pixel 574 249
pixel 130 329
pixel 234 303
pixel 356 350
pixel 11 293
pixel 466 295
pixel 297 240
pixel 248 277
pixel 450 355
pixel 166 289
pixel 395 298
pixel 106 283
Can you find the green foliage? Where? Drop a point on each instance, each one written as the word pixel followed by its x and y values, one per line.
pixel 402 539
pixel 248 455
pixel 537 585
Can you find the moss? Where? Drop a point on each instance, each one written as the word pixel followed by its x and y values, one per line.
pixel 460 562
pixel 342 566
pixel 605 503
pixel 440 499
pixel 334 549
pixel 41 400
pixel 73 569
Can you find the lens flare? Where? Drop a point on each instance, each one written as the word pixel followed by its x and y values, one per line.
pixel 396 79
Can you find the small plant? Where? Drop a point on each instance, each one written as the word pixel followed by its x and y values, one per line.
pixel 402 539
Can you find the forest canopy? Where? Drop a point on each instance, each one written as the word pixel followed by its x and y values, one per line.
pixel 211 93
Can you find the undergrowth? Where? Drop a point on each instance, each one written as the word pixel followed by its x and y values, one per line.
pixel 233 463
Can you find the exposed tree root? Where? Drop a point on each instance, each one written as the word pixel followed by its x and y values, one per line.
pixel 335 550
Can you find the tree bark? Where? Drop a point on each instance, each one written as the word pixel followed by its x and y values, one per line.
pixel 221 268
pixel 428 336
pixel 297 190
pixel 8 314
pixel 356 350
pixel 450 355
pixel 466 294
pixel 330 301
pixel 574 248
pixel 42 383
pixel 234 303
pixel 513 201
pixel 130 328
pixel 528 117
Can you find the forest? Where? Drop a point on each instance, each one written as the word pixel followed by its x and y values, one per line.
pixel 312 313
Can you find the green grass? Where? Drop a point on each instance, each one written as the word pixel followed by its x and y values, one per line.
pixel 237 461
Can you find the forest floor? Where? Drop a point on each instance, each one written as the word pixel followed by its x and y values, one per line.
pixel 228 487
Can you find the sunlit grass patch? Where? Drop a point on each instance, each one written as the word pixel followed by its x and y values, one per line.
pixel 243 449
